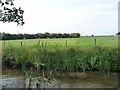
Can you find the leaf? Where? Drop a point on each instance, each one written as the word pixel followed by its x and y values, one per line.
pixel 2 4
pixel 6 3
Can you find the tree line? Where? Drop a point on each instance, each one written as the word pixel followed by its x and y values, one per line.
pixel 8 36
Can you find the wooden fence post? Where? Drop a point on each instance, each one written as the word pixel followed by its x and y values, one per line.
pixel 42 44
pixel 66 43
pixel 95 41
pixel 38 42
pixel 21 43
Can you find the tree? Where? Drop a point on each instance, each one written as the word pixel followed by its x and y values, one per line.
pixel 118 33
pixel 46 35
pixel 59 35
pixel 20 36
pixel 9 13
pixel 77 35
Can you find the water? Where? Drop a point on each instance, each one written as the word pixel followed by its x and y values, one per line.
pixel 11 78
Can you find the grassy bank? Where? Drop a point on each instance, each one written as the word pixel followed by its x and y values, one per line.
pixel 66 55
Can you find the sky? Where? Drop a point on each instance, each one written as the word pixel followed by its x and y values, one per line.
pixel 87 17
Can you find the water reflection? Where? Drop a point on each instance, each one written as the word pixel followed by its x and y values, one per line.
pixel 11 78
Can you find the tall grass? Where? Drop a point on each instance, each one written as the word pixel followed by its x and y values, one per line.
pixel 68 59
pixel 63 55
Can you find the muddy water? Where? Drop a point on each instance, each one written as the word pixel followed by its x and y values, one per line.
pixel 11 78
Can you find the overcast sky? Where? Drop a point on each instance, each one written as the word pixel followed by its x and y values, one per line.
pixel 98 17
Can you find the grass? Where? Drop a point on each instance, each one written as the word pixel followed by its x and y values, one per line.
pixel 105 41
pixel 63 55
pixel 69 55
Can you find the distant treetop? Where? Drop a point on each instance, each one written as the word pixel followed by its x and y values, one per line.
pixel 7 36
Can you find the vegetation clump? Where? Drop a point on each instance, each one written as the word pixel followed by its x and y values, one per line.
pixel 40 58
pixel 68 59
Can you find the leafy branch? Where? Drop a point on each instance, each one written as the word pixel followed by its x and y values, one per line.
pixel 9 13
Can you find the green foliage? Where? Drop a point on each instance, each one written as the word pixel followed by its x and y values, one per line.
pixel 118 33
pixel 70 58
pixel 7 36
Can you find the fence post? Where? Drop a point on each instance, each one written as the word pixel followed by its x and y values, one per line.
pixel 21 43
pixel 38 42
pixel 42 44
pixel 66 43
pixel 95 41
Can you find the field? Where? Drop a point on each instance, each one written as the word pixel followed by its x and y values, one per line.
pixel 85 41
pixel 63 55
pixel 62 51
